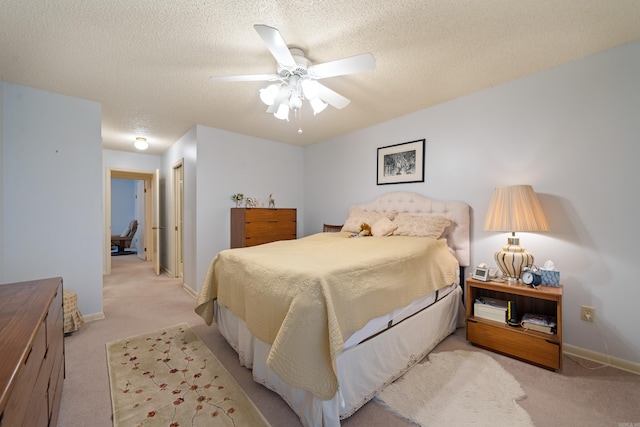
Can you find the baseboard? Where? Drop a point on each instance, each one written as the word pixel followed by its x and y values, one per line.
pixel 594 356
pixel 93 316
pixel 189 290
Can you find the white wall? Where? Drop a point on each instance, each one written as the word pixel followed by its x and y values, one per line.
pixel 123 203
pixel 52 198
pixel 572 133
pixel 124 160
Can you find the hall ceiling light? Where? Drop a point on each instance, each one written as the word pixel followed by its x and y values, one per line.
pixel 141 143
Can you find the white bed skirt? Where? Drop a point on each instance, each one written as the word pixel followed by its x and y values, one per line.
pixel 363 370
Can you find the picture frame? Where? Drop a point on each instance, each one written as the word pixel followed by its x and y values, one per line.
pixel 401 163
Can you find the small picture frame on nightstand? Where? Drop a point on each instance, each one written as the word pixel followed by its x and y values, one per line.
pixel 481 273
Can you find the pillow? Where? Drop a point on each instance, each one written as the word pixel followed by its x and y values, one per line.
pixel 125 233
pixel 383 227
pixel 357 216
pixel 420 225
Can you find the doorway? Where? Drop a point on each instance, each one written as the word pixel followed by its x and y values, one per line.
pixel 127 213
pixel 151 250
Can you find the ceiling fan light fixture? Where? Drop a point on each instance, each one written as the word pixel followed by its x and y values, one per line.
pixel 283 112
pixel 318 105
pixel 269 93
pixel 298 78
pixel 310 88
pixel 295 102
pixel 141 143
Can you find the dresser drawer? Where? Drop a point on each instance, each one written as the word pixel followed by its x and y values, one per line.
pixel 258 215
pixel 37 414
pixel 54 392
pixel 254 241
pixel 21 395
pixel 262 229
pixel 515 342
pixel 55 319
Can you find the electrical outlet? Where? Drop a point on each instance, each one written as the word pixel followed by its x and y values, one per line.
pixel 587 313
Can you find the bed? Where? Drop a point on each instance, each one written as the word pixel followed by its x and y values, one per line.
pixel 328 320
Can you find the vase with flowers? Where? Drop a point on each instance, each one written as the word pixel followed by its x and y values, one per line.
pixel 238 199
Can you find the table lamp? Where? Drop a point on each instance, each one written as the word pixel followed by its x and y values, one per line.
pixel 514 208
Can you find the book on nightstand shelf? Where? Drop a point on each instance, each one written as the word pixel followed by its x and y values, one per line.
pixel 539 322
pixel 491 309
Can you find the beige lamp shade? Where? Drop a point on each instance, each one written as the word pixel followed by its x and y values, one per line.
pixel 514 208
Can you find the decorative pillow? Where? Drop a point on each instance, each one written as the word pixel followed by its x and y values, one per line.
pixel 125 233
pixel 420 225
pixel 383 227
pixel 357 216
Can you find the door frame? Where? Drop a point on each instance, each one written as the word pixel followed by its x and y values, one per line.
pixel 177 219
pixel 148 178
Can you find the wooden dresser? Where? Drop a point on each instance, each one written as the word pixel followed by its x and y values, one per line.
pixel 255 226
pixel 31 352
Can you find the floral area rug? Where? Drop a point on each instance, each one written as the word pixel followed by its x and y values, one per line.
pixel 457 388
pixel 170 378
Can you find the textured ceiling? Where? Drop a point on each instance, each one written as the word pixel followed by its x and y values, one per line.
pixel 148 62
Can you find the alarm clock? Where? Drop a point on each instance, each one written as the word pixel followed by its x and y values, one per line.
pixel 531 277
pixel 481 272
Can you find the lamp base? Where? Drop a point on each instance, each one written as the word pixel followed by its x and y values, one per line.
pixel 512 259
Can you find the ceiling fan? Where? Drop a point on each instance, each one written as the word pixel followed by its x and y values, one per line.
pixel 296 79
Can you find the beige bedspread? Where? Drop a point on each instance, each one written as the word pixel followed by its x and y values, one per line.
pixel 305 297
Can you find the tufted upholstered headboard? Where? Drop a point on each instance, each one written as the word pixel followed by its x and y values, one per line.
pixel 457 234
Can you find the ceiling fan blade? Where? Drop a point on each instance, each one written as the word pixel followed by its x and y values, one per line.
pixel 247 78
pixel 276 45
pixel 340 67
pixel 332 98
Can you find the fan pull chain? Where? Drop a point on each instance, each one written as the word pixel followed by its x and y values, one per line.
pixel 299 113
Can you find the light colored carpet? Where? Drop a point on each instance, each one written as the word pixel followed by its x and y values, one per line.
pixel 169 377
pixel 457 388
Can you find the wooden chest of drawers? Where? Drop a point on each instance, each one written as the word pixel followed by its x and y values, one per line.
pixel 32 343
pixel 255 226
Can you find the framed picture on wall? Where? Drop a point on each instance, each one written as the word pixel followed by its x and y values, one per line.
pixel 401 163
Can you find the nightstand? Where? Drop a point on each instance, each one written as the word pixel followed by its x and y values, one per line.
pixel 530 346
pixel 328 228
